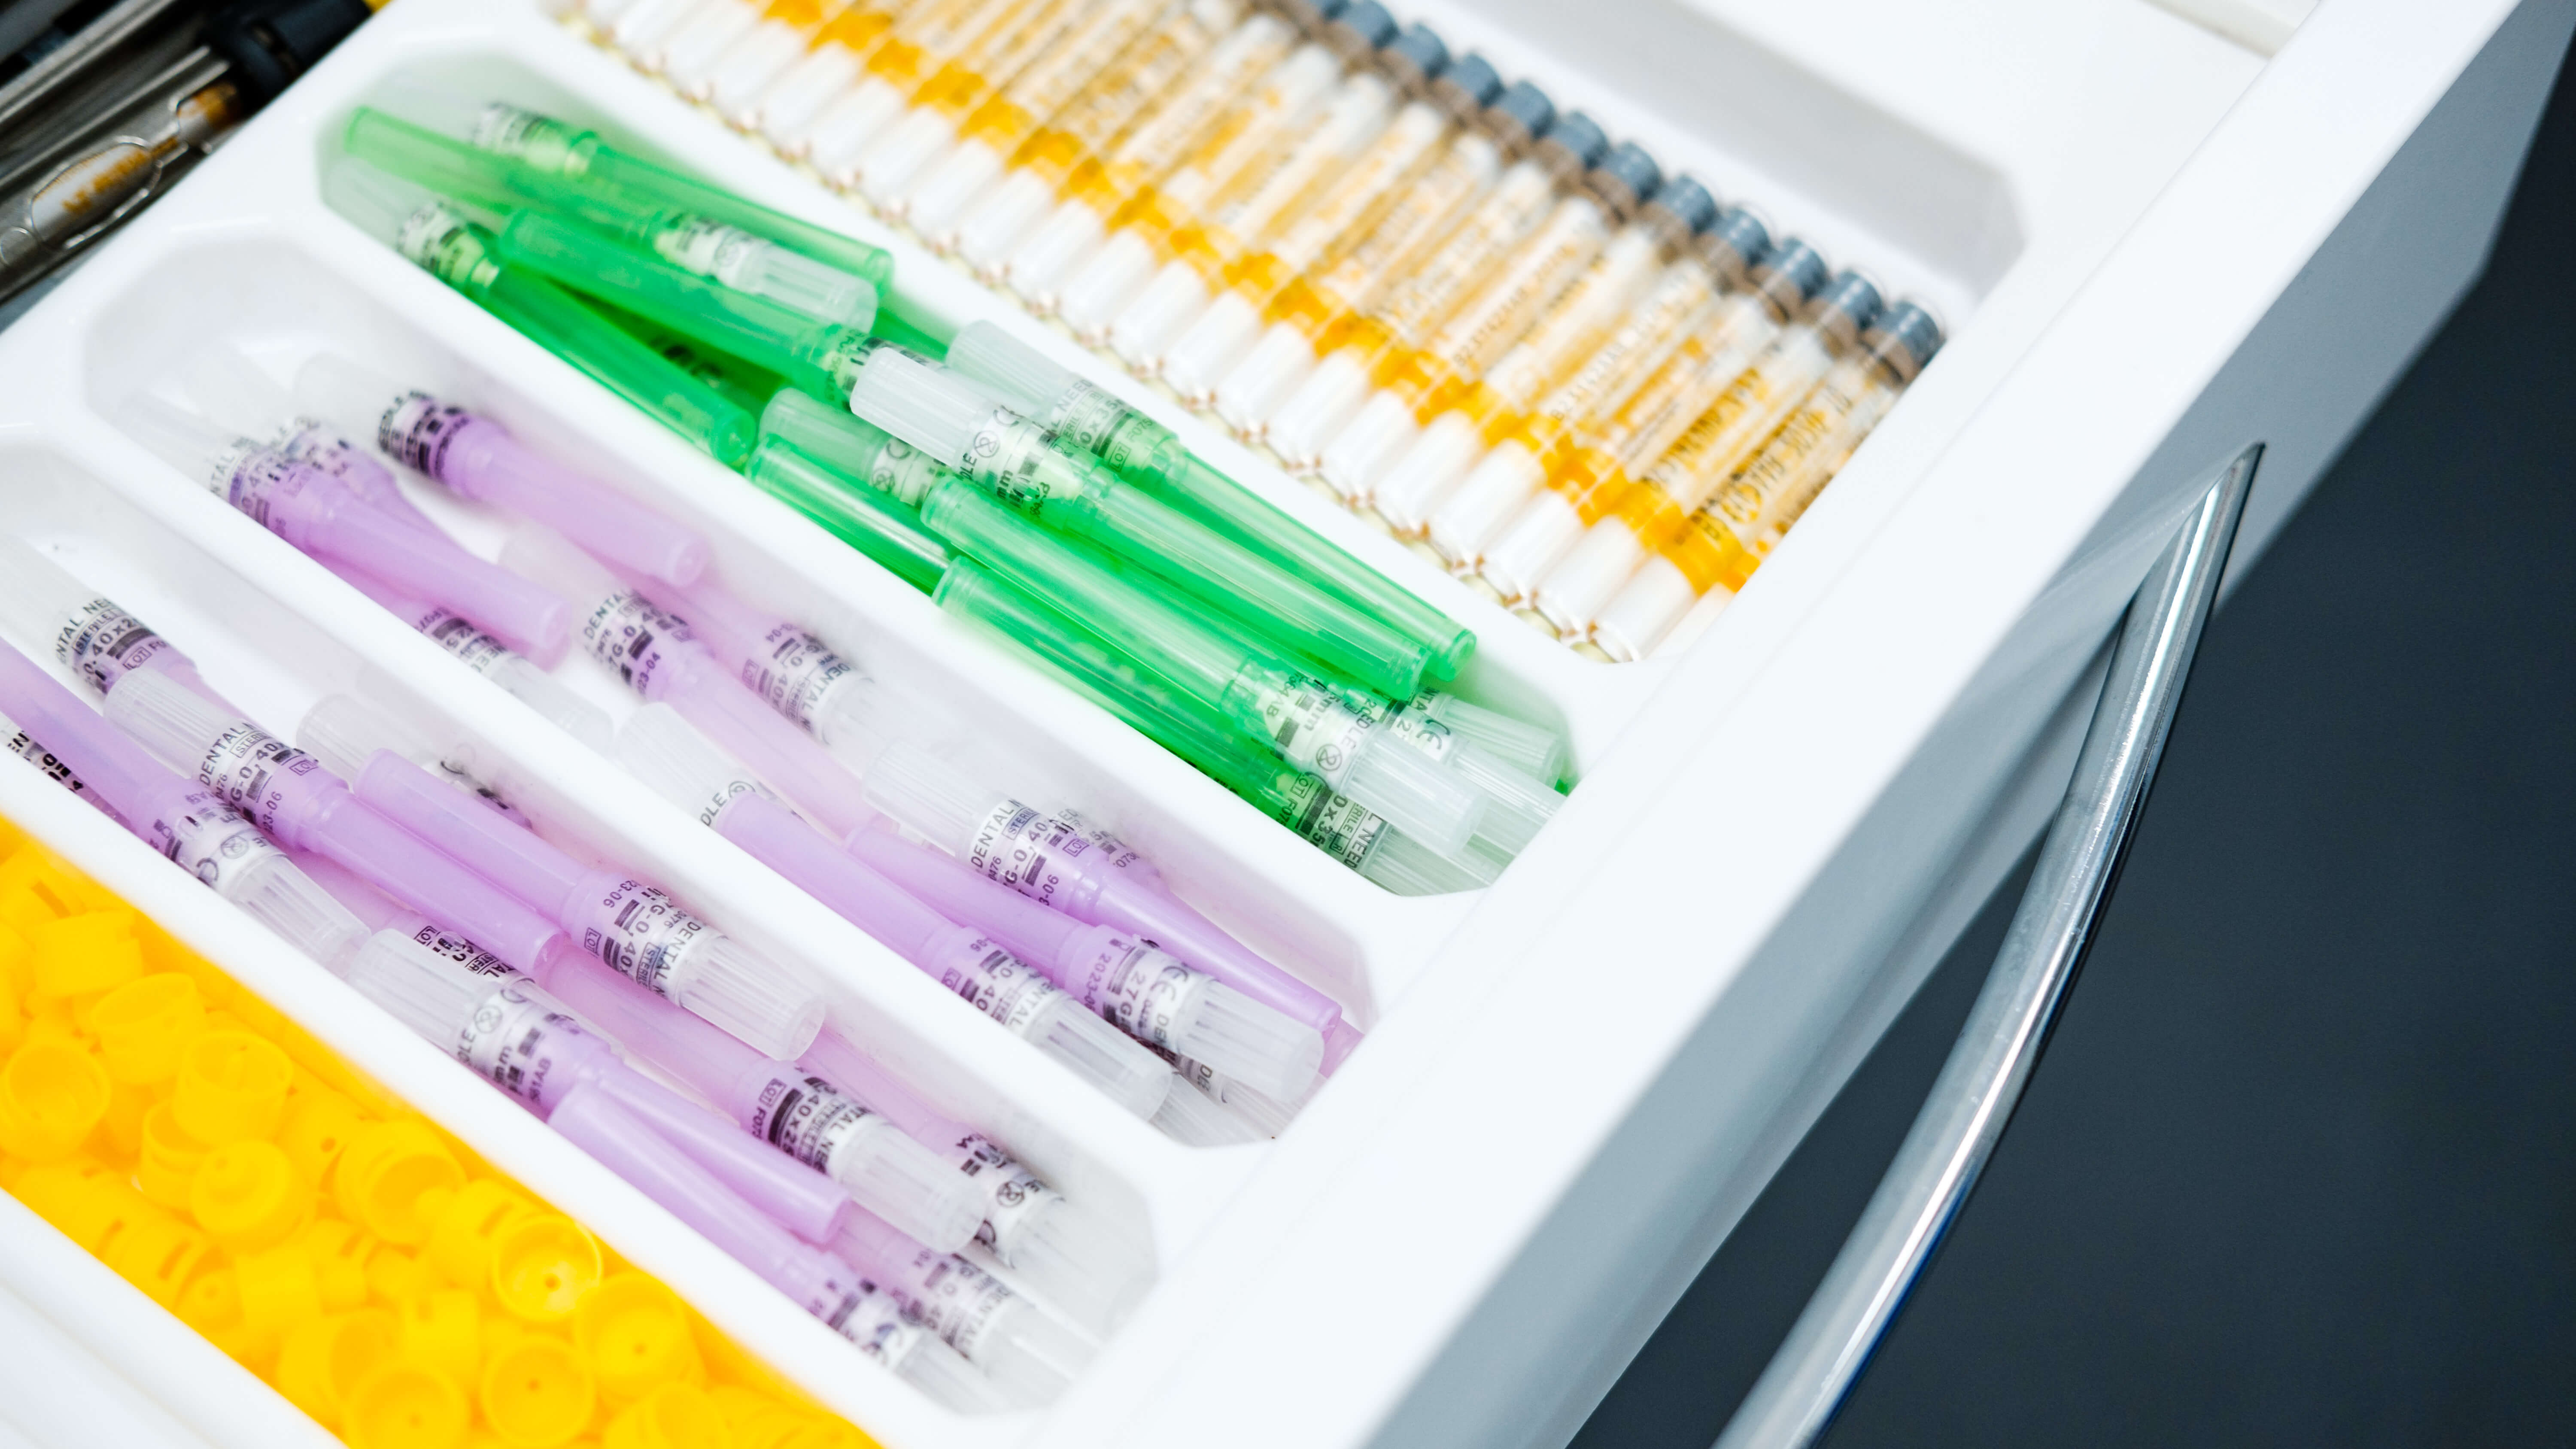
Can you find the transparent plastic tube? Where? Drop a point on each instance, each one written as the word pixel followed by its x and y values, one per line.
pixel 1264 1114
pixel 298 803
pixel 812 355
pixel 1194 1119
pixel 545 148
pixel 320 515
pixel 883 527
pixel 819 1282
pixel 477 458
pixel 344 731
pixel 806 1118
pixel 440 239
pixel 653 652
pixel 1060 485
pixel 487 656
pixel 682 766
pixel 1084 1263
pixel 631 925
pixel 1148 454
pixel 519 1037
pixel 187 822
pixel 797 674
pixel 1309 723
pixel 1139 988
pixel 1061 860
pixel 232 389
pixel 1030 1356
pixel 1350 833
pixel 44 608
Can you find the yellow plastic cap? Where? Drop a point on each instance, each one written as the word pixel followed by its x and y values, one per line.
pixel 463 1224
pixel 212 1305
pixel 323 1360
pixel 279 1289
pixel 143 1026
pixel 764 1421
pixel 231 1088
pixel 319 1122
pixel 170 1158
pixel 542 1264
pixel 674 1416
pixel 636 1336
pixel 52 1094
pixel 402 1405
pixel 537 1394
pixel 246 1196
pixel 443 1329
pixel 384 1173
pixel 84 954
pixel 395 1277
pixel 158 1254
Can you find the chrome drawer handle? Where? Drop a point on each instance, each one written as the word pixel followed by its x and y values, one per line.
pixel 1812 1374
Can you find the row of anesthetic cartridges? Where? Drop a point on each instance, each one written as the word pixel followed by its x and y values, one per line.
pixel 1570 374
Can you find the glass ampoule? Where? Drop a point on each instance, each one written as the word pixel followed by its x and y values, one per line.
pixel 734 52
pixel 1035 261
pixel 920 173
pixel 1439 102
pixel 1415 384
pixel 1246 137
pixel 973 75
pixel 1594 368
pixel 1390 247
pixel 1403 313
pixel 781 102
pixel 1735 529
pixel 1657 512
pixel 1596 469
pixel 1276 189
pixel 1033 170
pixel 917 49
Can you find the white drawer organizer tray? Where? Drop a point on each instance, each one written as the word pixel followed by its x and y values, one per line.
pixel 2153 247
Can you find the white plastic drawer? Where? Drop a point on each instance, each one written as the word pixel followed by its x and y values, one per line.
pixel 2152 247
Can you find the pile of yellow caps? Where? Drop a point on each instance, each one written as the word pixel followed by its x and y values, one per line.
pixel 329 1240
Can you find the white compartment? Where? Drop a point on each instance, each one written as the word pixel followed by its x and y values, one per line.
pixel 2151 246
